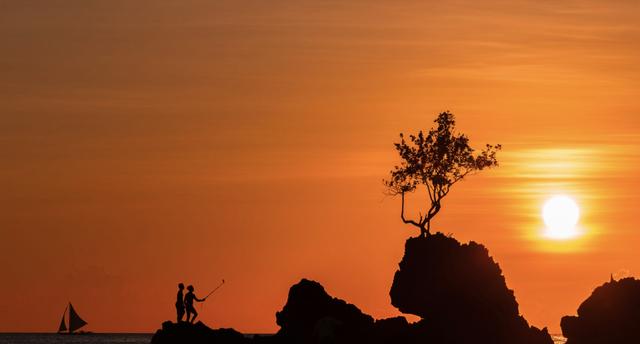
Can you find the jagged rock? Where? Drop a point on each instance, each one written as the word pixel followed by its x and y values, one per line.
pixel 198 333
pixel 458 290
pixel 611 315
pixel 313 316
pixel 460 293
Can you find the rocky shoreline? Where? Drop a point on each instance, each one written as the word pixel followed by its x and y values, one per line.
pixel 456 289
pixel 460 295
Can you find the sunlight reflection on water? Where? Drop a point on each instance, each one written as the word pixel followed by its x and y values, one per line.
pixel 558 339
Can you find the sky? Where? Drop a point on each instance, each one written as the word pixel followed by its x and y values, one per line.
pixel 146 143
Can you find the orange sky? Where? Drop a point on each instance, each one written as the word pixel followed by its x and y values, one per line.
pixel 145 143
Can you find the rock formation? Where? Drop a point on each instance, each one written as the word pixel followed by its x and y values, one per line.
pixel 312 316
pixel 611 315
pixel 457 290
pixel 460 293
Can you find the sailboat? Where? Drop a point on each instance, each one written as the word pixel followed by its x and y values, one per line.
pixel 75 322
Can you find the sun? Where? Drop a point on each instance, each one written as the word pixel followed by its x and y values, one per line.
pixel 561 214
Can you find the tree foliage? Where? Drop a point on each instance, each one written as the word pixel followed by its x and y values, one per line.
pixel 436 161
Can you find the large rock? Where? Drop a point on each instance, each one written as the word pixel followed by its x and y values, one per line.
pixel 460 293
pixel 313 316
pixel 610 315
pixel 198 333
pixel 458 290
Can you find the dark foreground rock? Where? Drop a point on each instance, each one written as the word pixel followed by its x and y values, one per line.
pixel 457 290
pixel 460 293
pixel 198 333
pixel 611 315
pixel 310 315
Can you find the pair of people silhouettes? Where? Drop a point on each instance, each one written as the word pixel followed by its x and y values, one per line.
pixel 186 303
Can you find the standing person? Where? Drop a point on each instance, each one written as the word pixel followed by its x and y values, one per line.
pixel 180 302
pixel 188 302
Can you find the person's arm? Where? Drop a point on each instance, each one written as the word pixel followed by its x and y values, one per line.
pixel 197 299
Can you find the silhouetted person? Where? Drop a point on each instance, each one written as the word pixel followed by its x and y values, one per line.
pixel 180 302
pixel 188 303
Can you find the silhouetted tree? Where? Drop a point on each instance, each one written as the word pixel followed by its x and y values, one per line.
pixel 437 160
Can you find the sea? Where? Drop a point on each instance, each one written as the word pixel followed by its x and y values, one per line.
pixel 94 338
pixel 106 338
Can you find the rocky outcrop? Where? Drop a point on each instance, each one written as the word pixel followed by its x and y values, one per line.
pixel 611 315
pixel 457 290
pixel 460 293
pixel 198 333
pixel 310 315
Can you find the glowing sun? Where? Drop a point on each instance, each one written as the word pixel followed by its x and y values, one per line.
pixel 561 215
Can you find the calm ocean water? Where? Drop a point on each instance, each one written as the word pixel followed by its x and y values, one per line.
pixel 53 338
pixel 112 338
pixel 558 339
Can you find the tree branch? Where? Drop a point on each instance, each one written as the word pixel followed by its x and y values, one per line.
pixel 429 192
pixel 402 214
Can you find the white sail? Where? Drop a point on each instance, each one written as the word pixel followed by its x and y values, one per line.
pixel 75 322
